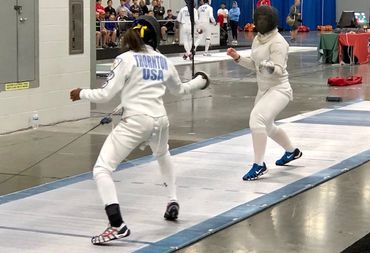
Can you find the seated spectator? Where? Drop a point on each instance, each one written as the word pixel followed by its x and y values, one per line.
pixel 98 33
pixel 123 5
pixel 135 15
pixel 109 10
pixel 101 32
pixel 151 6
pixel 122 26
pixel 135 7
pixel 169 26
pixel 159 11
pixel 150 13
pixel 143 8
pixel 111 31
pixel 98 6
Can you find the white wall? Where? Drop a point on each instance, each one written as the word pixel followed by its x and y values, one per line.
pixel 59 73
pixel 355 5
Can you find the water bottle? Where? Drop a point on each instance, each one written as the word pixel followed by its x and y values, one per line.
pixel 35 120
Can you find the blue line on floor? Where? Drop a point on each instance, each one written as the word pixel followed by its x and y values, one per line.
pixel 88 175
pixel 64 234
pixel 243 211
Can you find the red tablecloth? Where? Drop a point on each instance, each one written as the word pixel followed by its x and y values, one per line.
pixel 359 42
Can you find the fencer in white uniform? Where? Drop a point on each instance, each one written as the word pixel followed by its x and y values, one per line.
pixel 141 76
pixel 185 28
pixel 269 58
pixel 206 18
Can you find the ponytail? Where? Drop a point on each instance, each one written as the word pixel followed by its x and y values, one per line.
pixel 132 41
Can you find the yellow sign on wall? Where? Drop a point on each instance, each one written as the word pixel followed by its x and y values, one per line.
pixel 17 86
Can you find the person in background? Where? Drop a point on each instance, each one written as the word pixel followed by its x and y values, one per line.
pixel 98 32
pixel 205 12
pixel 150 13
pixel 123 5
pixel 225 13
pixel 184 20
pixel 111 31
pixel 101 27
pixel 99 6
pixel 143 8
pixel 169 26
pixel 263 2
pixel 159 11
pixel 295 14
pixel 135 7
pixel 152 5
pixel 135 15
pixel 109 10
pixel 122 25
pixel 234 15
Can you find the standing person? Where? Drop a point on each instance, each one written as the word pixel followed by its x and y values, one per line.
pixel 225 13
pixel 205 12
pixel 263 2
pixel 185 27
pixel 269 58
pixel 234 15
pixel 141 75
pixel 295 14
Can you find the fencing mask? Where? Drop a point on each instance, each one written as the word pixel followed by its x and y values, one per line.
pixel 266 19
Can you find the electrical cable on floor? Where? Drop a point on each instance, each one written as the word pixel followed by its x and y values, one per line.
pixel 103 121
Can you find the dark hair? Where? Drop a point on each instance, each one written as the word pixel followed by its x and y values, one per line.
pixel 109 1
pixel 132 41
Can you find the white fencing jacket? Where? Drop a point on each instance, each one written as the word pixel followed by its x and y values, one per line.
pixel 270 47
pixel 142 79
pixel 206 14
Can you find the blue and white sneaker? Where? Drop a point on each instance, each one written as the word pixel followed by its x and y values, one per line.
pixel 255 172
pixel 288 157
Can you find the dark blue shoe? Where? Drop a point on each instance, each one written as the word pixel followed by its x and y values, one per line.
pixel 255 172
pixel 288 157
pixel 172 211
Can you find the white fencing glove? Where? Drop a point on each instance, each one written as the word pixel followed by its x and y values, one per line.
pixel 266 67
pixel 204 77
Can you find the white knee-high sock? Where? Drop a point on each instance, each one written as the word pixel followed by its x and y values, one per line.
pixel 168 175
pixel 187 45
pixel 280 137
pixel 106 187
pixel 259 145
pixel 208 44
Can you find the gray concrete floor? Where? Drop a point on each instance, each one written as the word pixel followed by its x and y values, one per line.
pixel 326 219
pixel 223 108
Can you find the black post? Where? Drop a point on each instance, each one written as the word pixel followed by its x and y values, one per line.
pixel 190 5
